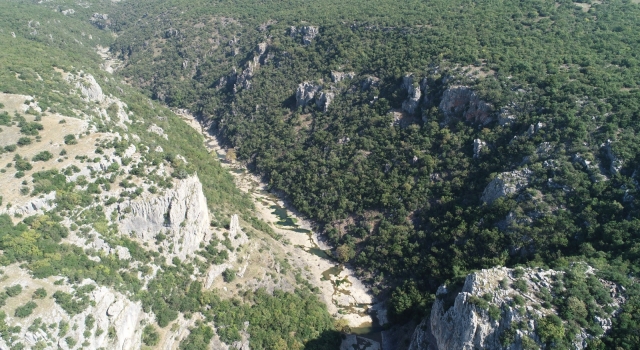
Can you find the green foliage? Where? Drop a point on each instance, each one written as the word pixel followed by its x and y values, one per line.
pixel 30 129
pixel 70 139
pixel 550 329
pixel 76 302
pixel 23 141
pixel 42 156
pixel 22 164
pixel 494 312
pixel 521 285
pixel 150 335
pixel 39 293
pixel 229 275
pixel 198 338
pixel 25 310
pixel 13 290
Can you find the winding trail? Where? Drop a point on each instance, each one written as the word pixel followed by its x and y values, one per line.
pixel 346 296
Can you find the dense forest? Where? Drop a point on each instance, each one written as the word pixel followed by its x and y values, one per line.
pixel 399 191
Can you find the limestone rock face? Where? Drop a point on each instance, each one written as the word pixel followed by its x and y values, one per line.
pixel 505 184
pixel 181 215
pixel 305 93
pixel 111 310
pixel 616 163
pixel 324 100
pixel 506 117
pixel 157 130
pixel 308 33
pixel 478 145
pixel 35 206
pixel 414 93
pixel 370 82
pixel 337 77
pixel 89 88
pixel 466 325
pixel 463 102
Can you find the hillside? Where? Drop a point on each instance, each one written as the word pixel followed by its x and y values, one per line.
pixel 356 158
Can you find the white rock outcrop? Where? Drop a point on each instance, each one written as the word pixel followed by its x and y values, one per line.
pixel 88 87
pixel 478 145
pixel 180 214
pixel 324 100
pixel 337 77
pixel 305 93
pixel 616 163
pixel 308 33
pixel 466 325
pixel 34 206
pixel 158 131
pixel 413 94
pixel 505 184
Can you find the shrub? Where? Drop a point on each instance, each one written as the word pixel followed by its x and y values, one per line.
pixel 25 310
pixel 13 290
pixel 518 272
pixel 229 275
pixel 521 285
pixel 550 328
pixel 494 312
pixel 39 293
pixel 10 148
pixel 42 156
pixel 518 300
pixel 70 140
pixel 22 164
pixel 150 336
pixel 24 141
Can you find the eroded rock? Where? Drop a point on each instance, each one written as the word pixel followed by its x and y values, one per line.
pixel 462 102
pixel 180 215
pixel 505 184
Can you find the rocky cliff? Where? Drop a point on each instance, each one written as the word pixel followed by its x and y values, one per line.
pixel 463 102
pixel 505 184
pixel 504 308
pixel 177 221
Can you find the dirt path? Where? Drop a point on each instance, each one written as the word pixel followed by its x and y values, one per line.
pixel 346 297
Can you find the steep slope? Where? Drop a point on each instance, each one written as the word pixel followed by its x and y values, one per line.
pixel 521 309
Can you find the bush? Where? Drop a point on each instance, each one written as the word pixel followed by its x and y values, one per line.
pixel 39 293
pixel 24 141
pixel 229 275
pixel 518 272
pixel 25 310
pixel 150 336
pixel 42 156
pixel 10 148
pixel 13 290
pixel 70 140
pixel 550 328
pixel 21 164
pixel 521 285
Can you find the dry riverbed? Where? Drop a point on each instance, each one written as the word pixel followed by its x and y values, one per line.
pixel 346 296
